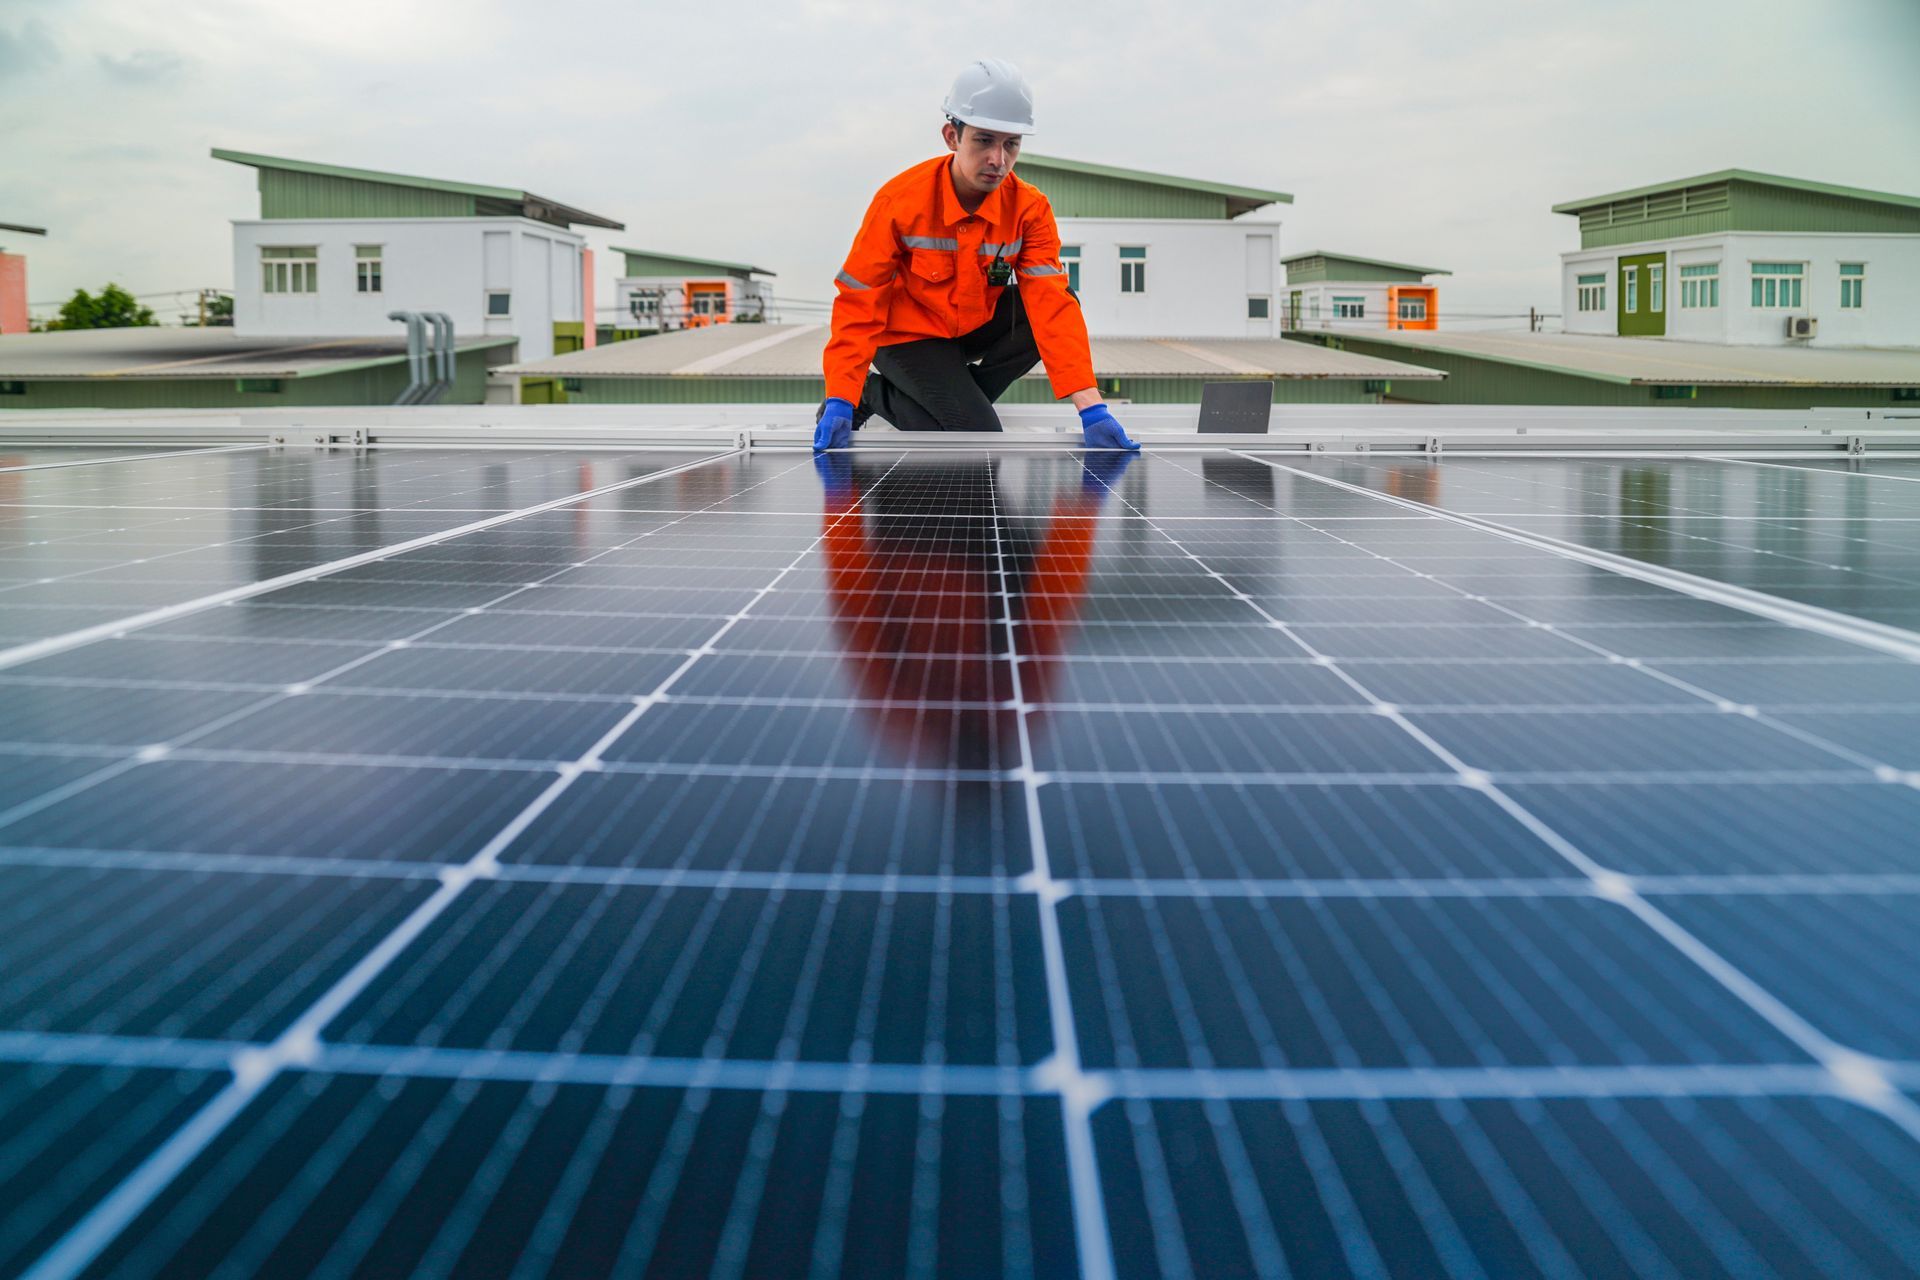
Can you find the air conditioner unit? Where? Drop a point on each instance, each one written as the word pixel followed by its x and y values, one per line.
pixel 1802 326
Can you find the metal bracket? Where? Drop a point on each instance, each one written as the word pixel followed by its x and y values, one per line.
pixel 1434 446
pixel 1856 445
pixel 319 438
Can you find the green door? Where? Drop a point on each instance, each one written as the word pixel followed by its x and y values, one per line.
pixel 1643 296
pixel 1293 310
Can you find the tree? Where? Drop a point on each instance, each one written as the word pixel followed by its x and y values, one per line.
pixel 114 308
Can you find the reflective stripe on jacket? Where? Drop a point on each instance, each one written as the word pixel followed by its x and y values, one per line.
pixel 918 269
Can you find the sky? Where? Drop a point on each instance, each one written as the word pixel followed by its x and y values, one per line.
pixel 1431 131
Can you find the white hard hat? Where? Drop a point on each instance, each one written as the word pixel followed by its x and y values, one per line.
pixel 992 94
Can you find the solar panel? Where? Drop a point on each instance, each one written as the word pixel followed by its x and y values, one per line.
pixel 955 861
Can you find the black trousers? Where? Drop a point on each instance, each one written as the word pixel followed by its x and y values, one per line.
pixel 950 384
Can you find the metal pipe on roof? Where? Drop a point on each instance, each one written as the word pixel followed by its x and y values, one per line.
pixel 447 357
pixel 416 356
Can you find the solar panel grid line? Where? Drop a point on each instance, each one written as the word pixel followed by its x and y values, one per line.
pixel 252 1072
pixel 1853 1073
pixel 1674 1080
pixel 1848 471
pixel 1079 1097
pixel 19 654
pixel 133 457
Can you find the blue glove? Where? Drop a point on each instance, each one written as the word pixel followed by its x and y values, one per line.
pixel 1101 430
pixel 835 425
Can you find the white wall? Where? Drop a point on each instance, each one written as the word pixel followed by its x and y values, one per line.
pixel 1890 318
pixel 625 287
pixel 1200 274
pixel 1324 291
pixel 427 264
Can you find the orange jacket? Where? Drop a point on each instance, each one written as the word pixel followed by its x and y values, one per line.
pixel 918 269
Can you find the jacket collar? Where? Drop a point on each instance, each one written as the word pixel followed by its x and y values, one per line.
pixel 992 209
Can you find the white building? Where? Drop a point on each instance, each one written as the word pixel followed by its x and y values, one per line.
pixel 1153 256
pixel 658 292
pixel 334 250
pixel 1746 259
pixel 1341 292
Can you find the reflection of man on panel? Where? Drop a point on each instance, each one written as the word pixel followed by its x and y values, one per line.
pixel 916 597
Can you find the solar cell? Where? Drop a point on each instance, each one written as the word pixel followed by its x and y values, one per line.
pixel 955 861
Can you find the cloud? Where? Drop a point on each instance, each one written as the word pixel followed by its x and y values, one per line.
pixel 142 66
pixel 27 50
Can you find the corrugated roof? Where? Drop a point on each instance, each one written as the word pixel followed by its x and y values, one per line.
pixel 543 208
pixel 155 352
pixel 794 351
pixel 1668 362
pixel 1371 262
pixel 1239 199
pixel 714 264
pixel 1743 175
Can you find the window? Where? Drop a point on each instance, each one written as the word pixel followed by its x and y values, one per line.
pixel 1656 286
pixel 366 268
pixel 13 388
pixel 1133 269
pixel 500 303
pixel 1070 258
pixel 1314 307
pixel 1776 285
pixel 289 268
pixel 1256 308
pixel 1593 292
pixel 1349 308
pixel 1700 286
pixel 1853 284
pixel 644 306
pixel 1631 289
pixel 708 303
pixel 1413 308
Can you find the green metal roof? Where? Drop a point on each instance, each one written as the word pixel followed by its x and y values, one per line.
pixel 704 264
pixel 1744 175
pixel 15 226
pixel 1236 199
pixel 472 199
pixel 1377 263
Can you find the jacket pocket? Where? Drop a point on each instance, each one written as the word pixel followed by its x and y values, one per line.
pixel 932 265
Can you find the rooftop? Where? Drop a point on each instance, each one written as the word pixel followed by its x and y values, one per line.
pixel 1666 362
pixel 155 352
pixel 703 264
pixel 481 201
pixel 1331 265
pixel 794 350
pixel 1743 175
pixel 1234 199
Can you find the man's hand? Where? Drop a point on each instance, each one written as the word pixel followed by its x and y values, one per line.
pixel 834 429
pixel 1099 429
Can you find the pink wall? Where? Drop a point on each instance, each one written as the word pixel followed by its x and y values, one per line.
pixel 588 329
pixel 13 293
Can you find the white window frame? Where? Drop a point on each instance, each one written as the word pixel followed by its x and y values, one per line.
pixel 1591 290
pixel 1133 269
pixel 1314 306
pixel 1853 286
pixel 1765 296
pixel 1413 308
pixel 282 274
pixel 1699 286
pixel 1070 259
pixel 1656 288
pixel 1630 288
pixel 490 313
pixel 1265 304
pixel 1349 308
pixel 369 268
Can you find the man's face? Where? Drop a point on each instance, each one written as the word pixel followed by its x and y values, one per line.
pixel 981 160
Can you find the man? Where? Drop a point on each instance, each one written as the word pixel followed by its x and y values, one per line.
pixel 954 286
